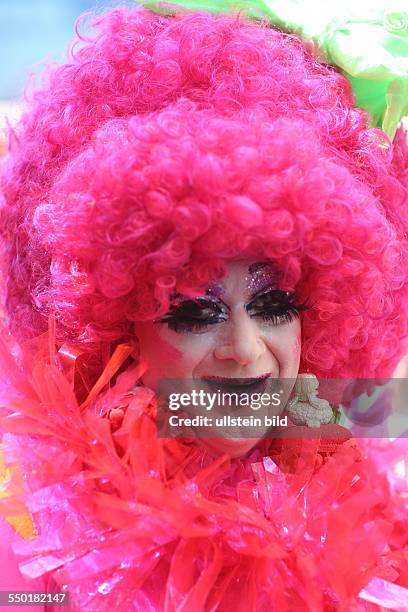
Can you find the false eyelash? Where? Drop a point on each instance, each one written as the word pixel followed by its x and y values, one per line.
pixel 278 319
pixel 181 316
pixel 185 325
pixel 281 300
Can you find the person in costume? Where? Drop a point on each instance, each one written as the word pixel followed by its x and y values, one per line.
pixel 197 195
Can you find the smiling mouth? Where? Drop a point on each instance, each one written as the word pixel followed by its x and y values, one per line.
pixel 237 384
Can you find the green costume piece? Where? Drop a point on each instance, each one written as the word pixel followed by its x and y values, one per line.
pixel 366 41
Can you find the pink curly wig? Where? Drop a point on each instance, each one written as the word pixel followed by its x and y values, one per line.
pixel 170 144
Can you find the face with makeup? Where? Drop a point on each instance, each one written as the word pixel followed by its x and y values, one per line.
pixel 243 327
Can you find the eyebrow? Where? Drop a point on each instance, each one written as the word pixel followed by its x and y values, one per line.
pixel 218 300
pixel 259 265
pixel 268 277
pixel 262 275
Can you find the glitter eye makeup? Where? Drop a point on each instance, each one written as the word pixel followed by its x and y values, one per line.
pixel 261 275
pixel 264 301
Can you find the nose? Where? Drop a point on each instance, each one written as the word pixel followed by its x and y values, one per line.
pixel 242 342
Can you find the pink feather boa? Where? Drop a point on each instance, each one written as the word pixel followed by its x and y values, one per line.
pixel 131 522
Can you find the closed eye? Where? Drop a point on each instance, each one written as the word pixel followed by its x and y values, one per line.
pixel 195 315
pixel 275 306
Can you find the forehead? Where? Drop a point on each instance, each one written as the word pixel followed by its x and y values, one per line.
pixel 246 276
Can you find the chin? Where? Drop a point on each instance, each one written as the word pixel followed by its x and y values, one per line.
pixel 234 447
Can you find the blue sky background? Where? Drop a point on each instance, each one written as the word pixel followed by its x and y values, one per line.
pixel 33 31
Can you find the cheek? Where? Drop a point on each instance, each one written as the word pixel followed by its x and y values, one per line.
pixel 153 346
pixel 285 345
pixel 169 354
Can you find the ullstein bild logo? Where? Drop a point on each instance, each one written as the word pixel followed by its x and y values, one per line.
pixel 228 421
pixel 189 408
